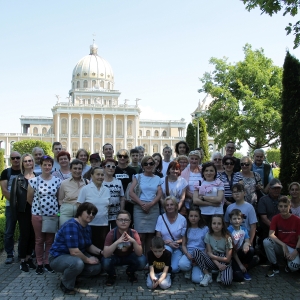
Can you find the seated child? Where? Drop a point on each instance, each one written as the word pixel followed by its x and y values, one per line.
pixel 159 260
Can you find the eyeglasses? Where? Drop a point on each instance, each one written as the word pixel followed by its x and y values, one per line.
pixel 91 213
pixel 229 163
pixel 15 157
pixel 245 164
pixel 123 220
pixel 217 159
pixel 283 206
pixel 122 156
pixel 145 164
pixel 110 166
pixel 27 161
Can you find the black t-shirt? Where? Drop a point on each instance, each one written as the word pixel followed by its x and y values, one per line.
pixel 125 175
pixel 13 174
pixel 161 262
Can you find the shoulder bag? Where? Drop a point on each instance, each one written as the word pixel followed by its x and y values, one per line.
pixel 137 189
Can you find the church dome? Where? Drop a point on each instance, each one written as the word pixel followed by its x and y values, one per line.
pixel 94 68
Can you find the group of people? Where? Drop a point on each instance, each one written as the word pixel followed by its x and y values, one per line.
pixel 149 212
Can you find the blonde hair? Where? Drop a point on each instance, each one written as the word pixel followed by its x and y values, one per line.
pixel 173 199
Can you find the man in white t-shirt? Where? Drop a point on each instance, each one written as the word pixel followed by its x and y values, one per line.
pixel 167 152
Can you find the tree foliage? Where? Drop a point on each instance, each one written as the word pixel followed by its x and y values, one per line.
pixel 190 136
pixel 273 155
pixel 26 146
pixel 203 138
pixel 247 100
pixel 290 132
pixel 289 7
pixel 2 162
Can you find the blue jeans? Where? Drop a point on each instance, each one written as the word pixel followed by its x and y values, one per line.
pixel 134 262
pixel 10 226
pixel 186 265
pixel 176 256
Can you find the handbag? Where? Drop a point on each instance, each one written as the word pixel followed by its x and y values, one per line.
pixel 137 190
pixel 49 223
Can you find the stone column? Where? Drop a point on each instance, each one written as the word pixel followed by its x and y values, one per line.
pixel 114 131
pixel 80 131
pixel 103 130
pixel 125 132
pixel 69 133
pixel 57 127
pixel 92 133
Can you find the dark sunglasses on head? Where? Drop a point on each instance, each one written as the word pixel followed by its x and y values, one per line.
pixel 245 164
pixel 16 157
pixel 217 159
pixel 27 161
pixel 110 166
pixel 122 156
pixel 229 163
pixel 145 164
pixel 91 213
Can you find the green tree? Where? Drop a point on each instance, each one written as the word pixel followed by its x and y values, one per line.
pixel 190 136
pixel 290 132
pixel 289 7
pixel 26 146
pixel 2 162
pixel 273 155
pixel 203 138
pixel 247 100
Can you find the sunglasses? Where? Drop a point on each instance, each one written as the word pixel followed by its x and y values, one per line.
pixel 229 164
pixel 27 161
pixel 217 159
pixel 245 164
pixel 110 166
pixel 91 213
pixel 16 157
pixel 145 164
pixel 122 156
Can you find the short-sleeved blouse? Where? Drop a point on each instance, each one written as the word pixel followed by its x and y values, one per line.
pixel 149 185
pixel 175 188
pixel 44 199
pixel 235 178
pixel 250 187
pixel 219 246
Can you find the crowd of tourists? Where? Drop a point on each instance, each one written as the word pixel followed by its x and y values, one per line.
pixel 163 214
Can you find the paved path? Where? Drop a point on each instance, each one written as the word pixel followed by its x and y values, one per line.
pixel 15 284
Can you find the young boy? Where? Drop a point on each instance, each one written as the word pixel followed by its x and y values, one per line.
pixel 134 156
pixel 244 252
pixel 284 239
pixel 159 260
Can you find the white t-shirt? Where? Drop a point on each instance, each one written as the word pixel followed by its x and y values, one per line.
pixel 165 165
pixel 175 188
pixel 149 186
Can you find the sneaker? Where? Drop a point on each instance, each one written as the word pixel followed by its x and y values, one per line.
pixel 219 277
pixel 9 260
pixel 30 264
pixel 39 270
pixel 206 280
pixel 187 275
pixel 66 290
pixel 110 280
pixel 24 267
pixel 247 276
pixel 274 269
pixel 47 268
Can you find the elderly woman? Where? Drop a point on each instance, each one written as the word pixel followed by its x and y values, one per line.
pixel 99 195
pixel 251 180
pixel 69 192
pixel 216 158
pixel 192 174
pixel 37 153
pixel 171 227
pixel 183 161
pixel 63 158
pixel 117 199
pixel 70 252
pixel 21 211
pixel 174 185
pixel 209 195
pixel 83 155
pixel 158 164
pixel 42 195
pixel 182 148
pixel 294 191
pixel 229 178
pixel 146 210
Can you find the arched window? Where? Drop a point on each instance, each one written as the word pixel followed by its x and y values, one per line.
pixel 108 128
pixel 35 130
pixel 148 133
pixel 155 148
pixel 74 149
pixel 129 146
pixel 129 127
pixel 97 127
pixel 119 127
pixel 73 85
pixel 86 146
pixel 63 126
pixel 44 130
pixel 64 145
pixel 93 83
pixel 164 133
pixel 86 127
pixel 140 133
pixel 97 148
pixel 85 84
pixel 146 148
pixel 102 84
pixel 75 126
pixel 108 86
pixel 78 85
pixel 156 133
pixel 119 146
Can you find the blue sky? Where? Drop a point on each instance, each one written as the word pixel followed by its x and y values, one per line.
pixel 157 49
